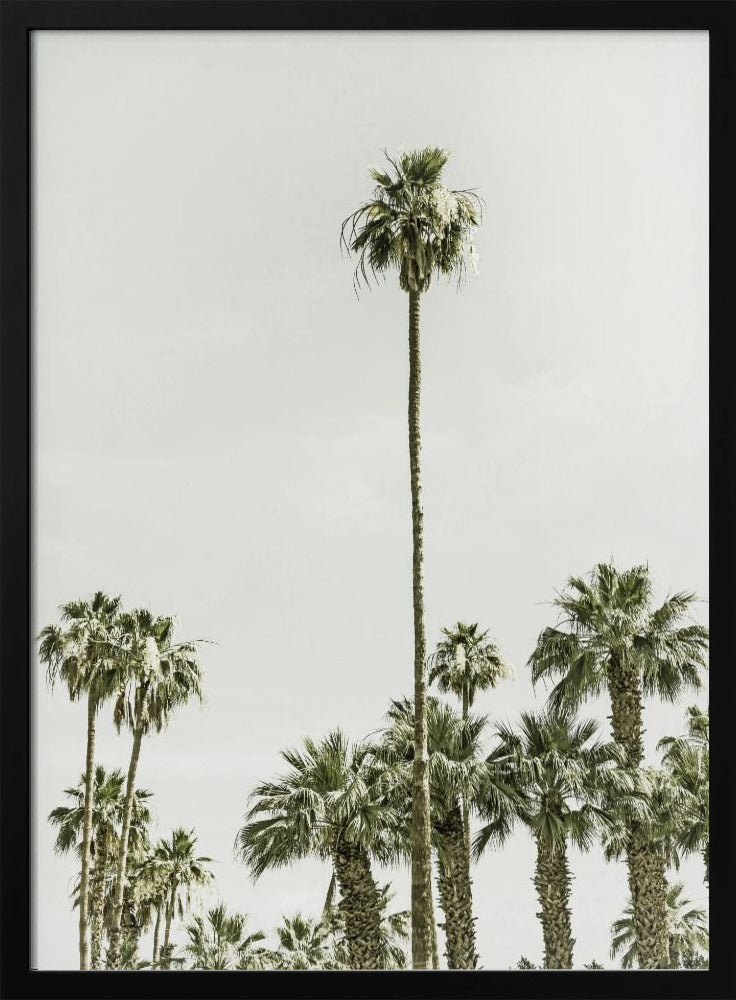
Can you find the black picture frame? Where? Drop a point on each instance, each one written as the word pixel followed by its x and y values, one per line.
pixel 19 18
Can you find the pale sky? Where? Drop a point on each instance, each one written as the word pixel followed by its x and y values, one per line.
pixel 220 425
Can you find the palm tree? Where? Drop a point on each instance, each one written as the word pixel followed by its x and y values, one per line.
pixel 456 769
pixel 159 676
pixel 687 931
pixel 107 811
pixel 331 805
pixel 415 224
pixel 464 662
pixel 558 779
pixel 221 942
pixel 174 865
pixel 609 638
pixel 74 653
pixel 687 759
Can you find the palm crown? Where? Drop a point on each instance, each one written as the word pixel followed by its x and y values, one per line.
pixel 161 674
pixel 413 222
pixel 610 618
pixel 466 661
pixel 78 651
pixel 558 780
pixel 333 790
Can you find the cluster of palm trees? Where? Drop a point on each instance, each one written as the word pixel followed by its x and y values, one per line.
pixel 129 659
pixel 550 773
pixel 350 802
pixel 408 792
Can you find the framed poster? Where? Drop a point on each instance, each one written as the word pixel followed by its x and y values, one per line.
pixel 357 391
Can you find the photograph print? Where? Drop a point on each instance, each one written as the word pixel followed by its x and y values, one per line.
pixel 370 458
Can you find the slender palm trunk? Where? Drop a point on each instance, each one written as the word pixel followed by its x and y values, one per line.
pixel 647 881
pixel 455 893
pixel 169 918
pixel 156 933
pixel 466 810
pixel 113 954
pixel 422 917
pixel 97 902
pixel 360 905
pixel 89 777
pixel 552 882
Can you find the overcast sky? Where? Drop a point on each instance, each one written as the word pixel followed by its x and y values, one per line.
pixel 220 424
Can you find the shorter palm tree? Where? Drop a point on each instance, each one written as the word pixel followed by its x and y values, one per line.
pixel 331 805
pixel 558 780
pixel 107 811
pixel 78 654
pixel 687 930
pixel 220 942
pixel 457 769
pixel 687 760
pixel 174 863
pixel 464 662
pixel 157 676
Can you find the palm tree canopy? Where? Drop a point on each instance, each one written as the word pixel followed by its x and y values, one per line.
pixel 466 659
pixel 174 861
pixel 107 812
pixel 456 763
pixel 611 615
pixel 655 803
pixel 558 780
pixel 333 789
pixel 413 222
pixel 687 928
pixel 77 652
pixel 160 674
pixel 687 760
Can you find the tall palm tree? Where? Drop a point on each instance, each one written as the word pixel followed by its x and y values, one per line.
pixel 220 942
pixel 159 676
pixel 456 769
pixel 687 931
pixel 415 224
pixel 332 805
pixel 175 864
pixel 74 653
pixel 464 662
pixel 559 779
pixel 107 814
pixel 687 759
pixel 610 638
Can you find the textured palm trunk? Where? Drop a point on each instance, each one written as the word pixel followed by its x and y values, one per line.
pixel 466 810
pixel 89 778
pixel 647 881
pixel 360 905
pixel 97 903
pixel 422 917
pixel 113 954
pixel 552 882
pixel 167 929
pixel 455 893
pixel 648 887
pixel 156 933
